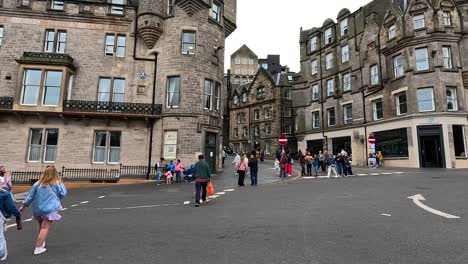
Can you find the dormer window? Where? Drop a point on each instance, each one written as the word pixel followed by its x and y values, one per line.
pixel 447 18
pixel 419 22
pixel 244 97
pixel 57 5
pixel 117 7
pixel 170 7
pixel 328 36
pixel 236 99
pixel 313 44
pixel 344 27
pixel 216 11
pixel 392 32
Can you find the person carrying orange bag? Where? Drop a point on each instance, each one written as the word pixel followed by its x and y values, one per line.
pixel 202 176
pixel 210 189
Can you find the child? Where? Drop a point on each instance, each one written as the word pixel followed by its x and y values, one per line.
pixel 45 196
pixel 178 171
pixel 171 168
pixel 168 177
pixel 277 167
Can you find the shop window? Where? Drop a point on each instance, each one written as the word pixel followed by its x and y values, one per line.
pixel 392 143
pixel 459 141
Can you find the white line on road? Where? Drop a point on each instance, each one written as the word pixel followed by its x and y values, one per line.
pixel 187 202
pixel 323 177
pixel 417 200
pixel 398 172
pixel 228 190
pixel 75 205
pixel 308 177
pixel 375 174
pixel 386 215
pixel 84 202
pixel 64 209
pixel 362 174
pixel 100 197
pixel 220 193
pixel 387 173
pixel 213 196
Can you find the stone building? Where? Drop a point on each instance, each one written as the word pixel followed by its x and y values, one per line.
pixel 260 111
pixel 244 65
pixel 397 70
pixel 96 84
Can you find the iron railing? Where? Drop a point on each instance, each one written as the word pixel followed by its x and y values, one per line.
pixel 92 175
pixel 111 107
pixel 6 102
pixel 136 171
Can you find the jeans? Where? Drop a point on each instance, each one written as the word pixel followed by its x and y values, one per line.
pixel 240 180
pixel 339 168
pixel 309 169
pixel 158 177
pixel 303 170
pixel 178 179
pixel 316 168
pixel 283 172
pixel 322 164
pixel 253 177
pixel 200 187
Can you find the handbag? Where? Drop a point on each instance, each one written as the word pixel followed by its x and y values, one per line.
pixel 210 189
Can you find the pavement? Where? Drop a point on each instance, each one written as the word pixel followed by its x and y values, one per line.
pixel 366 219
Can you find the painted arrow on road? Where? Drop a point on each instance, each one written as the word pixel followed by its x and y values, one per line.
pixel 417 200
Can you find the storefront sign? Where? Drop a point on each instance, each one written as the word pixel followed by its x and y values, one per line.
pixel 170 145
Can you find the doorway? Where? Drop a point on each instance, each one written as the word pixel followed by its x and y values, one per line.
pixel 210 151
pixel 431 149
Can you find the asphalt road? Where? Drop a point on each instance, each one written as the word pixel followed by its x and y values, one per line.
pixel 359 220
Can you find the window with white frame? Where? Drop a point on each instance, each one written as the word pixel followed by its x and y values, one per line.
pixel 392 32
pixel 251 61
pixel 173 91
pixel 236 132
pixel 251 71
pixel 48 146
pixel 170 145
pixel 328 36
pixel 447 18
pixel 244 71
pixel 236 99
pixel 313 44
pixel 188 42
pixel 268 129
pixel 257 131
pixel 452 103
pixel 316 119
pixel 261 92
pixel 55 41
pixel 447 56
pixel 331 117
pixel 170 7
pixel 115 45
pixel 257 114
pixel 422 59
pixel 244 61
pixel 111 90
pixel 374 74
pixel 377 107
pixel 426 100
pixel 208 94
pixel 419 22
pixel 329 61
pixel 268 112
pixel 401 104
pixel 348 114
pixel 315 92
pixel 237 61
pixel 345 54
pixel 1 35
pixel 314 67
pixel 346 82
pixel 216 11
pixel 398 68
pixel 246 132
pixel 106 147
pixel 286 129
pixel 330 87
pixel 244 97
pixel 286 110
pixel 344 27
pixel 47 83
pixel 57 5
pixel 217 98
pixel 237 71
pixel 117 7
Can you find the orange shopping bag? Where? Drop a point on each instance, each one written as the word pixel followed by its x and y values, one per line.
pixel 210 189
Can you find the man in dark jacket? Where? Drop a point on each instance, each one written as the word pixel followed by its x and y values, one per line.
pixel 202 176
pixel 253 165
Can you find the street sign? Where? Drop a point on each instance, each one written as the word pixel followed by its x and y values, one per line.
pixel 283 140
pixel 371 140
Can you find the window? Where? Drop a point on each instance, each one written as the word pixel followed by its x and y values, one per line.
pixel 330 87
pixel 260 92
pixel 115 45
pixel 36 144
pixel 348 114
pixel 287 94
pixel 24 3
pixel 111 90
pixel 246 132
pixel 170 145
pixel 398 69
pixel 173 91
pixel 286 129
pixel 315 92
pixel 170 7
pixel 447 18
pixel 188 42
pixel 401 104
pixel 459 141
pixel 392 143
pixel 251 71
pixel 377 107
pixel 447 55
pixel 244 61
pixel 344 27
pixel 117 7
pixel 328 36
pixel 267 129
pixel 374 75
pixel 268 113
pixel 329 61
pixel 346 82
pixel 316 119
pixel 257 115
pixel 345 54
pixel 236 132
pixel 239 118
pixel 237 71
pixel 244 71
pixel 57 4
pixel 106 147
pixel 265 66
pixel 251 61
pixel 418 22
pixel 237 61
pixel 208 94
pixel 313 44
pixel 392 32
pixel 35 81
pixel 426 100
pixel 422 59
pixel 55 41
pixel 1 35
pixel 286 110
pixel 244 97
pixel 257 131
pixel 236 99
pixel 452 104
pixel 218 97
pixel 331 117
pixel 216 11
pixel 314 67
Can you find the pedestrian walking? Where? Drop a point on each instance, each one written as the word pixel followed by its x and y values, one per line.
pixel 316 165
pixel 302 162
pixel 322 161
pixel 242 170
pixel 236 161
pixel 7 209
pixel 224 155
pixel 380 159
pixel 347 167
pixel 339 164
pixel 309 161
pixel 179 168
pixel 331 165
pixel 202 177
pixel 6 181
pixel 290 164
pixel 277 167
pixel 159 170
pixel 45 197
pixel 253 165
pixel 278 154
pixel 283 164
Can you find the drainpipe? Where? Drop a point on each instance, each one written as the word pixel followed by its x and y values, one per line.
pixel 321 94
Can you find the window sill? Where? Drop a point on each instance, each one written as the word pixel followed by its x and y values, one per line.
pixel 427 111
pixel 345 92
pixel 423 71
pixel 419 29
pixel 398 78
pixel 55 10
pixel 449 70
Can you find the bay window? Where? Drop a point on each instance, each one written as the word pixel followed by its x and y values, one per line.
pixel 426 100
pixel 44 84
pixel 447 56
pixel 452 104
pixel 422 59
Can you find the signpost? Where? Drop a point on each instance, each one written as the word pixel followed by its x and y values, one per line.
pixel 283 140
pixel 371 151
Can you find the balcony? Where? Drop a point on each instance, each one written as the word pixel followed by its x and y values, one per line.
pixel 111 108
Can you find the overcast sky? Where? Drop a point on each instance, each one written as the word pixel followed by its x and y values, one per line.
pixel 273 26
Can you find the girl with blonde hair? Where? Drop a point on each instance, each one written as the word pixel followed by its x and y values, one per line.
pixel 45 196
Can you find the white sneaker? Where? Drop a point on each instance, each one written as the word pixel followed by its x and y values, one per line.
pixel 39 250
pixel 4 257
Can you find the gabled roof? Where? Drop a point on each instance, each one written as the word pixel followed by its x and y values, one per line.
pixel 245 49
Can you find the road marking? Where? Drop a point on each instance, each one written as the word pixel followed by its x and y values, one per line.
pixel 386 215
pixel 187 202
pixel 75 205
pixel 228 190
pixel 362 174
pixel 417 200
pixel 64 209
pixel 375 174
pixel 213 196
pixel 308 177
pixel 323 177
pixel 100 197
pixel 387 173
pixel 398 172
pixel 84 202
pixel 220 193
